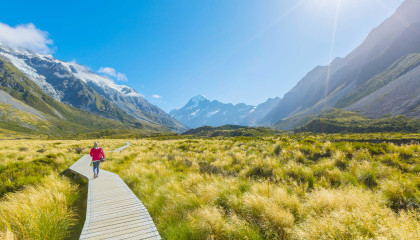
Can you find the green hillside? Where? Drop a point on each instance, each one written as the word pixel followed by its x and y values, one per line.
pixel 340 121
pixel 231 131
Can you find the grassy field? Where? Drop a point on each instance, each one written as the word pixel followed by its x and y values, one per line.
pixel 284 187
pixel 281 187
pixel 37 201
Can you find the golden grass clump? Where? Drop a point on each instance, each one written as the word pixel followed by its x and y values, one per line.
pixel 271 217
pixel 38 212
pixel 7 235
pixel 210 222
pixel 405 225
pixel 353 213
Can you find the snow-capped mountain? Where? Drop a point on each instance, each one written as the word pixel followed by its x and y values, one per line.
pixel 78 86
pixel 200 111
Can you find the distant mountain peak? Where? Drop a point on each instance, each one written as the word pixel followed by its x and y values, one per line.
pixel 199 98
pixel 195 101
pixel 200 111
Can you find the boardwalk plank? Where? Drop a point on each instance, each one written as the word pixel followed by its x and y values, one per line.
pixel 129 221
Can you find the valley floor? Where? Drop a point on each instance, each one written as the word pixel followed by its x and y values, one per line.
pixel 294 186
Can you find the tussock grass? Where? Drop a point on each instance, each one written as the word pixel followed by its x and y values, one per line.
pixel 352 213
pixel 38 212
pixel 285 187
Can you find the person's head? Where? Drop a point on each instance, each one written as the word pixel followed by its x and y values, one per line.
pixel 95 144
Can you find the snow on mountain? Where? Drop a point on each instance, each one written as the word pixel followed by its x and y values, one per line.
pixel 77 85
pixel 19 57
pixel 200 111
pixel 30 72
pixel 87 75
pixel 195 101
pixel 212 113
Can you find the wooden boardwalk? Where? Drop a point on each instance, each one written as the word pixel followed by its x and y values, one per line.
pixel 113 210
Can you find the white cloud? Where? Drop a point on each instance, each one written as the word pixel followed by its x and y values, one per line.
pixel 59 75
pixel 133 94
pixel 155 96
pixel 25 36
pixel 112 73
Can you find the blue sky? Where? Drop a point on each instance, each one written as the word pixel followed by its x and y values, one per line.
pixel 232 50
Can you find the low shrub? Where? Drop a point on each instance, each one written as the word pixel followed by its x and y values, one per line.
pixel 23 149
pixel 260 172
pixel 401 194
pixel 209 168
pixel 16 175
pixel 78 150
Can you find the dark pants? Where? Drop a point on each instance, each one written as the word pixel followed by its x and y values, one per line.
pixel 96 166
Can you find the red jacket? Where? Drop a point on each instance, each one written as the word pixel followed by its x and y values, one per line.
pixel 96 154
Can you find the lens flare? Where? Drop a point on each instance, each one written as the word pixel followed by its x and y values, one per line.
pixel 334 32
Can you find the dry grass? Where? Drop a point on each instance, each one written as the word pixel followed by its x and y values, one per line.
pixel 38 212
pixel 285 187
pixel 275 188
pixel 65 151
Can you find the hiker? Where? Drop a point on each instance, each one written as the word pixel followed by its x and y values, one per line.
pixel 96 153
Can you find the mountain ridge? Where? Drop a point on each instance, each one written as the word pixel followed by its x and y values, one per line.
pixel 395 38
pixel 200 111
pixel 78 86
pixel 22 99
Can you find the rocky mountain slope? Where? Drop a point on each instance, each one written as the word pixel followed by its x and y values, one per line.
pixel 200 111
pixel 25 107
pixel 360 81
pixel 261 110
pixel 78 86
pixel 399 84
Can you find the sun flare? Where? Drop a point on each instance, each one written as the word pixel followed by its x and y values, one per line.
pixel 330 2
